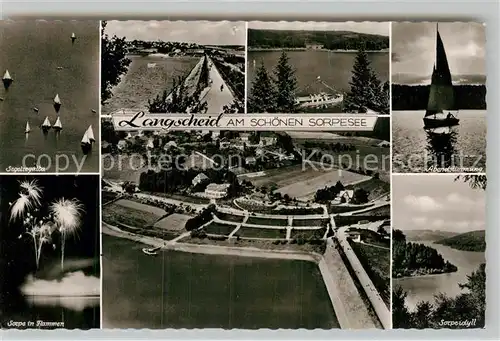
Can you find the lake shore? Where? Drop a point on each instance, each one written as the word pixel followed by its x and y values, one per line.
pixel 263 49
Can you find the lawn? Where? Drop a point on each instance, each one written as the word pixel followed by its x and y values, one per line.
pixel 267 221
pixel 376 262
pixel 345 208
pixel 375 187
pixel 308 234
pixel 251 232
pixel 131 213
pixel 230 217
pixel 218 228
pixel 383 211
pixel 108 196
pixel 174 222
pixel 306 185
pixel 122 167
pixel 310 222
pixel 354 219
pixel 180 197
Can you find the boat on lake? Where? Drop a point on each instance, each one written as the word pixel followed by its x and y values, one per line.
pixel 86 144
pixel 151 251
pixel 28 128
pixel 441 106
pixel 46 124
pixel 57 103
pixel 73 38
pixel 58 125
pixel 7 80
pixel 90 134
pixel 319 100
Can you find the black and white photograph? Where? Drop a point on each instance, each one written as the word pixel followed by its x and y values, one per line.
pixel 173 66
pixel 330 67
pixel 49 100
pixel 438 251
pixel 439 97
pixel 50 252
pixel 245 229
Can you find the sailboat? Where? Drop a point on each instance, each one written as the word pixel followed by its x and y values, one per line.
pixel 73 38
pixel 441 102
pixel 58 125
pixel 85 144
pixel 57 103
pixel 90 134
pixel 27 129
pixel 7 79
pixel 46 124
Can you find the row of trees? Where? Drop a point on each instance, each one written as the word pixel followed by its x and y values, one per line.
pixel 333 40
pixel 334 147
pixel 202 218
pixel 328 193
pixel 467 306
pixel 413 258
pixel 415 97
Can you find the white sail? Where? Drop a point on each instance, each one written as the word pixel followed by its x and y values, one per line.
pixel 28 129
pixel 6 75
pixel 85 139
pixel 73 35
pixel 57 100
pixel 58 124
pixel 90 133
pixel 46 123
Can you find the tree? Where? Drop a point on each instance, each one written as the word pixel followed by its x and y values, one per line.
pixel 262 97
pixel 286 86
pixel 366 91
pixel 178 100
pixel 474 181
pixel 400 314
pixel 114 62
pixel 360 196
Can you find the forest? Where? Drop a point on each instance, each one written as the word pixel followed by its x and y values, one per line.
pixel 415 97
pixel 413 259
pixel 469 241
pixel 331 40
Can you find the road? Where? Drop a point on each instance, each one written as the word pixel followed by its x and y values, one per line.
pixel 377 303
pixel 215 98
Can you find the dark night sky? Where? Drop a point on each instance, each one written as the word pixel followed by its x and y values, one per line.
pixel 17 255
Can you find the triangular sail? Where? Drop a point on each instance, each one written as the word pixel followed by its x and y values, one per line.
pixel 441 93
pixel 28 129
pixel 46 123
pixel 58 123
pixel 90 133
pixel 57 100
pixel 6 75
pixel 85 139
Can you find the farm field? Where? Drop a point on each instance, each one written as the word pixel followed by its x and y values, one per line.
pixel 218 228
pixel 308 234
pixel 375 187
pixel 309 222
pixel 346 208
pixel 306 186
pixel 174 222
pixel 230 217
pixel 251 232
pixel 267 221
pixel 122 168
pixel 131 213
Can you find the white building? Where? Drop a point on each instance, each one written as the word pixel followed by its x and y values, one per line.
pixel 347 195
pixel 216 191
pixel 199 179
pixel 250 160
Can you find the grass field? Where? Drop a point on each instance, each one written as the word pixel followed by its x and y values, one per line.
pixel 218 228
pixel 306 185
pixel 251 232
pixel 379 211
pixel 266 221
pixel 174 222
pixel 108 196
pixel 131 213
pixel 344 209
pixel 376 262
pixel 354 219
pixel 180 197
pixel 310 222
pixel 375 187
pixel 308 234
pixel 255 208
pixel 122 167
pixel 230 217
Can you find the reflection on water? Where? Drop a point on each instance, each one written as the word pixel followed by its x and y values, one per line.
pixel 75 303
pixel 441 146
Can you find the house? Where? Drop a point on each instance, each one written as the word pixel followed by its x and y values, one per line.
pixel 244 137
pixel 122 144
pixel 250 160
pixel 216 191
pixel 355 236
pixel 215 134
pixel 199 179
pixel 267 140
pixel 150 144
pixel 314 46
pixel 346 195
pixel 169 145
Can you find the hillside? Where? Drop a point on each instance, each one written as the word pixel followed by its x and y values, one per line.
pixel 331 40
pixel 431 235
pixel 469 241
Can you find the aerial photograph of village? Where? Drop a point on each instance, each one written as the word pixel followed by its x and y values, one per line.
pixel 269 229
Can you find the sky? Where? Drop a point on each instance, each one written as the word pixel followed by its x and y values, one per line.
pixel 381 28
pixel 437 202
pixel 200 32
pixel 414 52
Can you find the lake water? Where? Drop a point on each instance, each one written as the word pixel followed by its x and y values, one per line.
pixel 424 288
pixel 335 68
pixel 142 83
pixel 462 146
pixel 72 312
pixel 184 290
pixel 32 52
